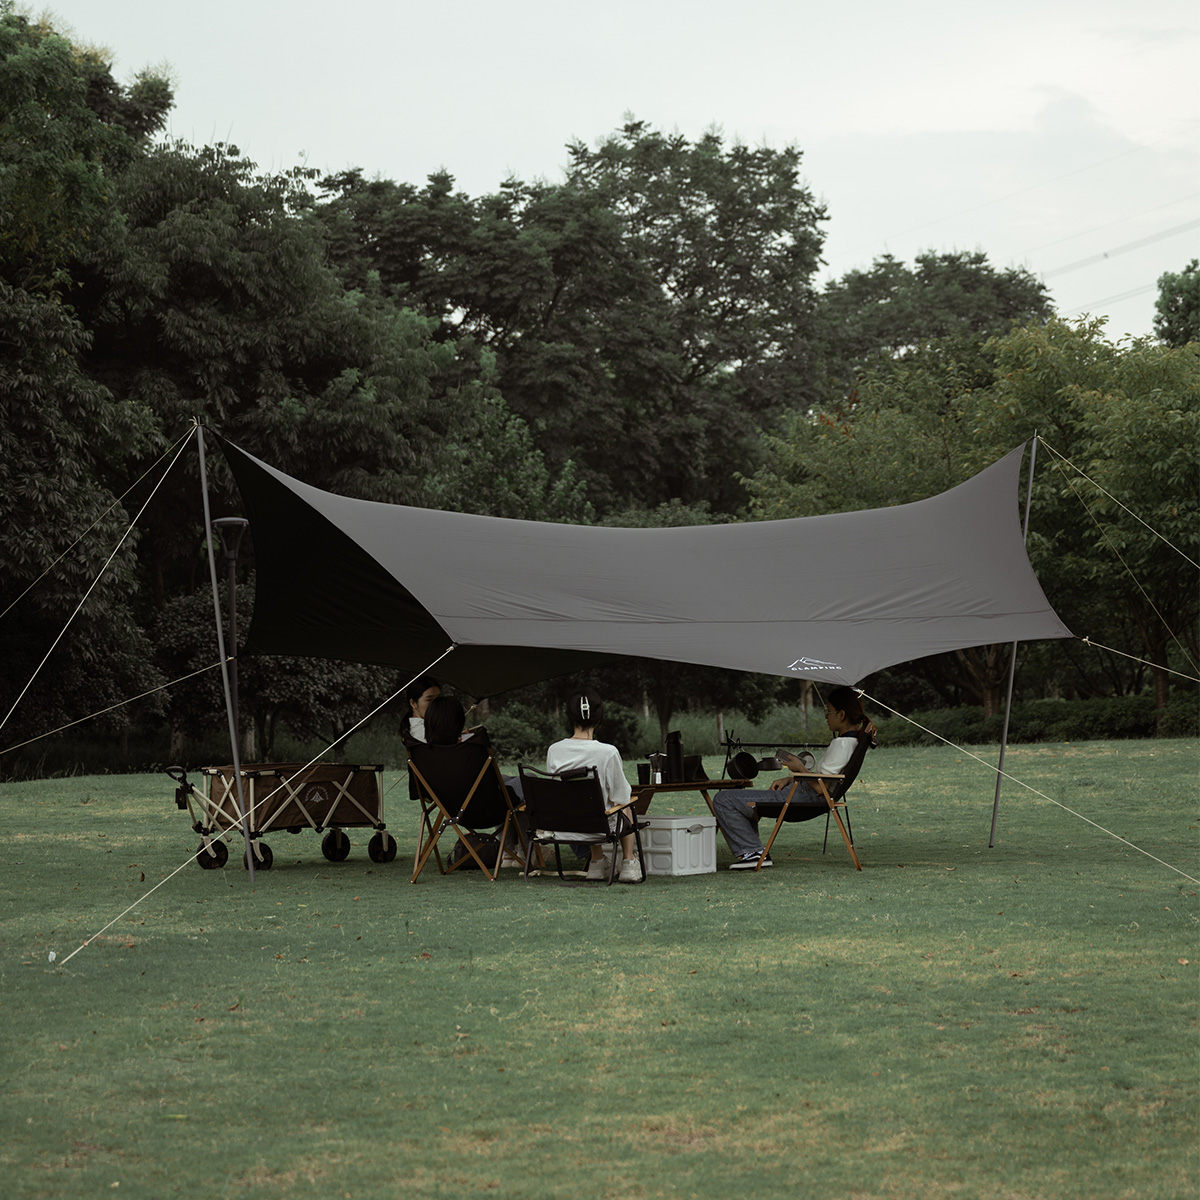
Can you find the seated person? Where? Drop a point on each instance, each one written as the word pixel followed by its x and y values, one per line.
pixel 419 693
pixel 584 712
pixel 735 809
pixel 444 721
pixel 444 725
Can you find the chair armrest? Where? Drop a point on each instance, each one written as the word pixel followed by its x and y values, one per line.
pixel 815 775
pixel 616 808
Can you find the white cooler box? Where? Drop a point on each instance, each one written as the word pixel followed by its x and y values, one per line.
pixel 680 845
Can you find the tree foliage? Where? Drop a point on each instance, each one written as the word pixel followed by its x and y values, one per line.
pixel 57 424
pixel 145 285
pixel 645 316
pixel 1177 309
pixel 869 318
pixel 1126 415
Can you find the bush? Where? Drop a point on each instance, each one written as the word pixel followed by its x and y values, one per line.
pixel 1181 717
pixel 1043 721
pixel 520 732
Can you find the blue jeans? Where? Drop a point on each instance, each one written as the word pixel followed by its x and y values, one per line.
pixel 738 817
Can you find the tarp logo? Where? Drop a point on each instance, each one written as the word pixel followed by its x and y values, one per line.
pixel 813 664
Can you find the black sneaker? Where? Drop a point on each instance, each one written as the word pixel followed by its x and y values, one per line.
pixel 749 860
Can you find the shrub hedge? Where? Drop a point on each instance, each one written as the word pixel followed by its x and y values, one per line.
pixel 521 733
pixel 1048 721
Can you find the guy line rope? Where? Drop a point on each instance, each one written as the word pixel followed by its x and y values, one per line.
pixel 192 858
pixel 1031 788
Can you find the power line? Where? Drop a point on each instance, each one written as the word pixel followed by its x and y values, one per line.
pixel 1000 199
pixel 1148 240
pixel 1141 291
pixel 1109 224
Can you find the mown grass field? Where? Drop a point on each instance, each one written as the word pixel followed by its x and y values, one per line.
pixel 955 1021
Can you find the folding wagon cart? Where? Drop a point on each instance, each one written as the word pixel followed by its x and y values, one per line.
pixel 285 797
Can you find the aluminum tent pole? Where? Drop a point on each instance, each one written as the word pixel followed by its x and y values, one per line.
pixel 233 734
pixel 231 530
pixel 1012 661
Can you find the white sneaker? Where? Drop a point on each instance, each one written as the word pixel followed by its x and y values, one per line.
pixel 631 871
pixel 598 868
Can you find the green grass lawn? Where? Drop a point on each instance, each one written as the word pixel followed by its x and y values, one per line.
pixel 960 1021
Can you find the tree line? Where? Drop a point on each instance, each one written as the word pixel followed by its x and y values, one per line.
pixel 642 342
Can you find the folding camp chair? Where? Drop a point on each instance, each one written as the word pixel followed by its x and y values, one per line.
pixel 569 807
pixel 831 788
pixel 460 787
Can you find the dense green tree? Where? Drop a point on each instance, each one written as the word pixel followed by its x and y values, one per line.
pixel 65 125
pixel 1177 309
pixel 868 318
pixel 1129 417
pixel 317 701
pixel 212 297
pixel 59 429
pixel 645 316
pixel 1124 414
pixel 188 284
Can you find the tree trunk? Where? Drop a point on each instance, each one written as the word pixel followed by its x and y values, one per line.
pixel 987 670
pixel 1162 677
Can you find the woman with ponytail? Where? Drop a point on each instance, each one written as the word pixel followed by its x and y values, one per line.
pixel 584 712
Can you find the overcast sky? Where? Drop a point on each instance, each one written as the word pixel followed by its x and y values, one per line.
pixel 1058 135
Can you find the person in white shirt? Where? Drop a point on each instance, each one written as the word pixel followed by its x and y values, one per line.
pixel 585 711
pixel 736 808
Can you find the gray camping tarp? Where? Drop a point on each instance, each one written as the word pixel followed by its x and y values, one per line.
pixel 830 598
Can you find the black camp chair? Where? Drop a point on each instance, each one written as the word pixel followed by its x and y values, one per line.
pixel 832 789
pixel 460 786
pixel 569 807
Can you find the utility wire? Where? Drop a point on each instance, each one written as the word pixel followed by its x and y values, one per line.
pixel 1109 224
pixel 1033 187
pixel 1105 301
pixel 1104 255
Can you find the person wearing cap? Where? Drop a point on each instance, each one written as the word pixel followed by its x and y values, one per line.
pixel 582 749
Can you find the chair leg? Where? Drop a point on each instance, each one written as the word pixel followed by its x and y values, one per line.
pixel 637 841
pixel 849 829
pixel 778 826
pixel 845 836
pixel 430 847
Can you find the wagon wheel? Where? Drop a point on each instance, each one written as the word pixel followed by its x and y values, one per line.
pixel 377 852
pixel 335 845
pixel 260 864
pixel 214 861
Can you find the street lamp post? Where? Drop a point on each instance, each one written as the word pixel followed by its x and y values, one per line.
pixel 231 530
